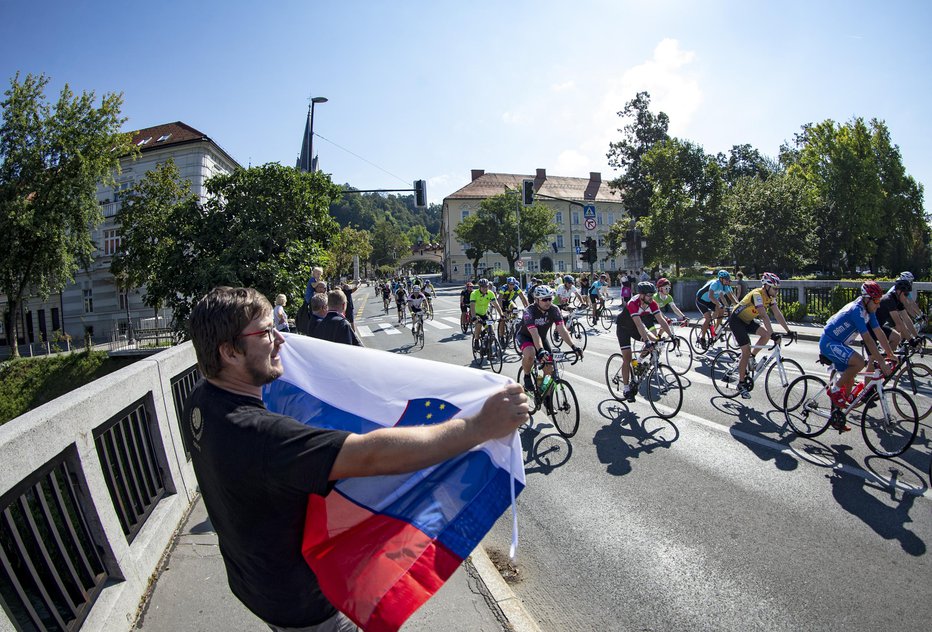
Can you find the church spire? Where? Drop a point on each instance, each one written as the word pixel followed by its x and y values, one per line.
pixel 304 160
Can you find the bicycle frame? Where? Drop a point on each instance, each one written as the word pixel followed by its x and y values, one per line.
pixel 876 384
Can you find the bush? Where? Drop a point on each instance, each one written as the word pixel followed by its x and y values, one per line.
pixel 794 312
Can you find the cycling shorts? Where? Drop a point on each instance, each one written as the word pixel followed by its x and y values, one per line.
pixel 705 307
pixel 525 341
pixel 482 318
pixel 839 353
pixel 464 309
pixel 742 330
pixel 625 335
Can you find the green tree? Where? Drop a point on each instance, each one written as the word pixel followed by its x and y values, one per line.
pixel 389 242
pixel 687 221
pixel 473 233
pixel 745 161
pixel 51 161
pixel 262 227
pixel 418 234
pixel 346 244
pixel 773 225
pixel 644 130
pixel 497 219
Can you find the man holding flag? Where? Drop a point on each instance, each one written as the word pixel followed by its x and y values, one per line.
pixel 267 478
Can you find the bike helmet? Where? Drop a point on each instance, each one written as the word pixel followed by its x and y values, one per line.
pixel 771 279
pixel 483 282
pixel 512 280
pixel 646 287
pixel 907 276
pixel 415 289
pixel 569 279
pixel 871 289
pixel 663 282
pixel 723 274
pixel 542 291
pixel 903 285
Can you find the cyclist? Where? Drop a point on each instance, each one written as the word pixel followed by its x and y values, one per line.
pixel 630 323
pixel 401 295
pixel 892 314
pixel 535 325
pixel 464 302
pixel 711 300
pixel 584 289
pixel 565 294
pixel 598 291
pixel 416 304
pixel 479 302
pixel 743 323
pixel 664 297
pixel 912 308
pixel 507 300
pixel 857 317
pixel 386 295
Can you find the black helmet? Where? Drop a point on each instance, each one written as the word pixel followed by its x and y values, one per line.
pixel 646 287
pixel 903 285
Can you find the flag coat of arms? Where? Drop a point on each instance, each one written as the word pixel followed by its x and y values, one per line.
pixel 382 546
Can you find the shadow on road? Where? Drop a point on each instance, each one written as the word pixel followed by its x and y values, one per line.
pixel 546 449
pixel 626 437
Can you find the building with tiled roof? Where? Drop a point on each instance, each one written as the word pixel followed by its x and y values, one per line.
pixel 573 195
pixel 94 302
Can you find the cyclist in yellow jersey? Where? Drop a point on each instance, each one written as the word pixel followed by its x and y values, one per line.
pixel 742 322
pixel 479 303
pixel 507 299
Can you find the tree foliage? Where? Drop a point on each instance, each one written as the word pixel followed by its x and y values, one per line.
pixel 687 220
pixel 262 227
pixel 389 242
pixel 644 131
pixel 347 244
pixel 51 161
pixel 494 227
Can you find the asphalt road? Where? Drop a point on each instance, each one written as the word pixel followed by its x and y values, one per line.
pixel 718 519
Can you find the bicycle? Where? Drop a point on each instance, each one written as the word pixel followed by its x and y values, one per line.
pixel 888 429
pixel 385 303
pixel 778 371
pixel 599 313
pixel 721 333
pixel 465 322
pixel 678 353
pixel 417 328
pixel 553 392
pixel 915 377
pixel 509 324
pixel 428 308
pixel 401 312
pixel 664 387
pixel 577 331
pixel 488 348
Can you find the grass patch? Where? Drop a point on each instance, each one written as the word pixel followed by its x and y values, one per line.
pixel 26 383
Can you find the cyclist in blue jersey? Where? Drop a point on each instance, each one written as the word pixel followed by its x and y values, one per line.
pixel 711 300
pixel 598 291
pixel 855 318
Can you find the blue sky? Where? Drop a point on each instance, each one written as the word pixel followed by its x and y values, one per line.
pixel 433 89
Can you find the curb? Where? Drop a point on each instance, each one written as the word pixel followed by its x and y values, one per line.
pixel 518 617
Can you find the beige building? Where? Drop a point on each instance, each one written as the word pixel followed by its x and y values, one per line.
pixel 94 302
pixel 577 200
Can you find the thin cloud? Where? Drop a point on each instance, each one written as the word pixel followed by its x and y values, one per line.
pixel 563 87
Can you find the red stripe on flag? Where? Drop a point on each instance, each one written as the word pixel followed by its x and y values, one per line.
pixel 376 569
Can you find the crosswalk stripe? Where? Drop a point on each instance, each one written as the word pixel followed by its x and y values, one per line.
pixel 364 332
pixel 388 329
pixel 436 325
pixel 452 320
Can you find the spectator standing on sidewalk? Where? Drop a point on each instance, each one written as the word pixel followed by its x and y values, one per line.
pixel 318 311
pixel 256 469
pixel 279 315
pixel 334 327
pixel 741 286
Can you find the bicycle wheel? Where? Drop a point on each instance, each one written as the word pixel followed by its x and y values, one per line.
pixel 477 349
pixel 607 318
pixel 419 338
pixel 555 337
pixel 533 400
pixel 774 382
pixel 564 408
pixel 890 426
pixel 730 341
pixel 916 379
pixel 695 340
pixel 591 317
pixel 579 335
pixel 725 373
pixel 464 323
pixel 613 376
pixel 515 344
pixel 429 312
pixel 664 391
pixel 806 406
pixel 679 355
pixel 495 355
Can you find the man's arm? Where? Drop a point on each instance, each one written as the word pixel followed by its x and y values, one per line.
pixel 400 450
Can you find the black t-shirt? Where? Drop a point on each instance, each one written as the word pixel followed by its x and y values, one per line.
pixel 888 304
pixel 255 470
pixel 464 298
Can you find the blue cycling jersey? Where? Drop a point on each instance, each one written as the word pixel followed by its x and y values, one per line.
pixel 594 288
pixel 716 286
pixel 851 319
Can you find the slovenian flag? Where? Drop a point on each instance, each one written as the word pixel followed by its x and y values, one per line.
pixel 382 546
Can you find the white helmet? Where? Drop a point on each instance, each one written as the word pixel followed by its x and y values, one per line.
pixel 543 291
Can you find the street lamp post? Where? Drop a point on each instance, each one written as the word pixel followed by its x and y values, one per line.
pixel 310 141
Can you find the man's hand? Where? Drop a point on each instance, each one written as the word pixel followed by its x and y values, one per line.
pixel 502 413
pixel 578 352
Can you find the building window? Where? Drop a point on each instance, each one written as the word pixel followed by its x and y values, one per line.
pixel 611 218
pixel 120 189
pixel 56 321
pixel 144 142
pixel 614 265
pixel 498 265
pixel 111 242
pixel 559 242
pixel 561 267
pixel 124 301
pixel 576 242
pixel 599 216
pixel 464 215
pixel 467 269
pixel 558 218
pixel 601 241
pixel 575 218
pixel 88 300
pixel 163 138
pixel 532 266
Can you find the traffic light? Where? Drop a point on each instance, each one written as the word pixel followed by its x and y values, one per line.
pixel 420 193
pixel 527 192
